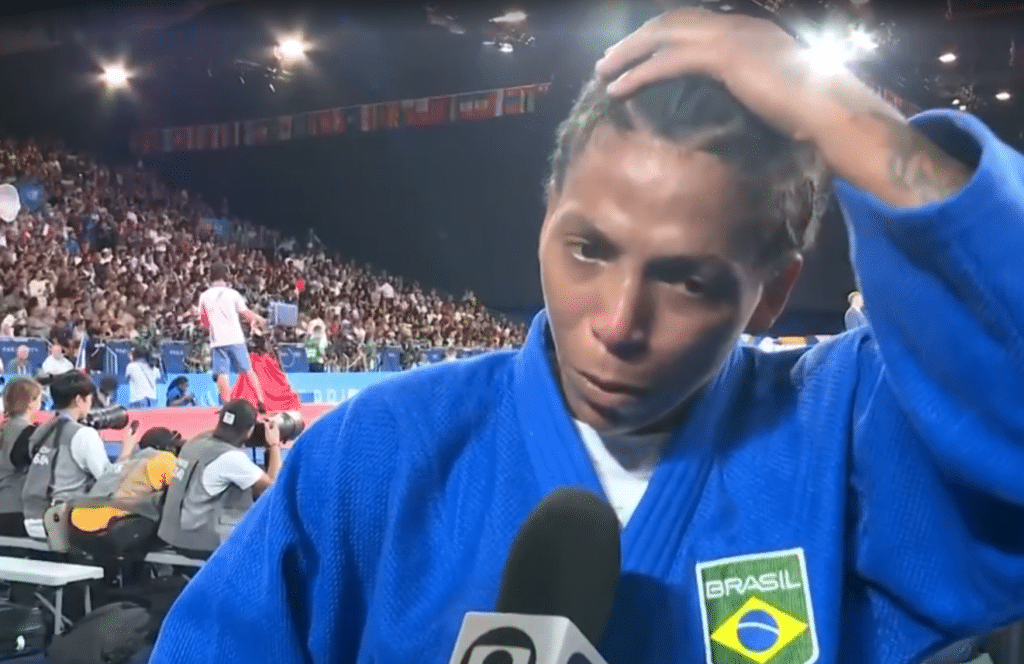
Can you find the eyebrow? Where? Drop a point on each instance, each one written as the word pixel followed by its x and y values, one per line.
pixel 707 265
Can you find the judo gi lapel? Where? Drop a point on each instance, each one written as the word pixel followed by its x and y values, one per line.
pixel 554 447
pixel 653 537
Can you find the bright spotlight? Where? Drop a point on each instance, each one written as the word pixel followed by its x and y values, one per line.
pixel 1003 96
pixel 292 49
pixel 863 41
pixel 115 76
pixel 828 55
pixel 947 58
pixel 506 48
pixel 510 17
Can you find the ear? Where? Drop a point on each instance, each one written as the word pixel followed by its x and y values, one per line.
pixel 774 297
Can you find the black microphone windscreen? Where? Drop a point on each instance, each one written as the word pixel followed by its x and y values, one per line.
pixel 565 561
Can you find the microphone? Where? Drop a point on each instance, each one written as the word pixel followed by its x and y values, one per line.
pixel 557 589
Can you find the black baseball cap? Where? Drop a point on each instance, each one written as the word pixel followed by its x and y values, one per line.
pixel 237 415
pixel 160 438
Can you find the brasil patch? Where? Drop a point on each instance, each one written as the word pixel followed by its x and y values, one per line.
pixel 757 609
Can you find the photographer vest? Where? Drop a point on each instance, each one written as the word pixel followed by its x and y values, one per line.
pixel 126 487
pixel 12 480
pixel 192 517
pixel 54 476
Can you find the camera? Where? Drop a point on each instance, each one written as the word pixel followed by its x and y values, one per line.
pixel 289 423
pixel 112 417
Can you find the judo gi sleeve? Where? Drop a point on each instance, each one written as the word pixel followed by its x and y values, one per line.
pixel 938 431
pixel 287 585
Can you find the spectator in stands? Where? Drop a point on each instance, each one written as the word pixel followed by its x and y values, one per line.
pixel 178 393
pixel 138 271
pixel 219 309
pixel 142 379
pixel 20 365
pixel 35 321
pixel 7 324
pixel 316 348
pixel 855 314
pixel 56 364
pixel 106 396
pixel 215 482
pixel 22 400
pixel 67 456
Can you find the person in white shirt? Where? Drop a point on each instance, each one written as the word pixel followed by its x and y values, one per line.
pixel 220 307
pixel 55 364
pixel 72 395
pixel 142 378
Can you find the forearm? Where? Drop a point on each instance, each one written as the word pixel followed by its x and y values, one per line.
pixel 870 145
pixel 273 462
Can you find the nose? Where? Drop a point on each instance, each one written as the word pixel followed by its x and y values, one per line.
pixel 623 323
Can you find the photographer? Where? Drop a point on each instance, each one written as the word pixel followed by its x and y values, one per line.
pixel 67 456
pixel 119 515
pixel 215 482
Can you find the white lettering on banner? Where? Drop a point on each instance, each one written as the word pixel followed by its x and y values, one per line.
pixel 41 459
pixel 318 396
pixel 765 583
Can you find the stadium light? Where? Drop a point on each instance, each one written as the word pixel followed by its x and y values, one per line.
pixel 862 41
pixel 947 58
pixel 291 49
pixel 115 76
pixel 1003 95
pixel 828 54
pixel 506 48
pixel 510 17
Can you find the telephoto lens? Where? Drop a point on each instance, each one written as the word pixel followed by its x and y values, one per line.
pixel 112 417
pixel 289 423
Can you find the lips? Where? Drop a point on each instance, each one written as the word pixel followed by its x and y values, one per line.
pixel 613 388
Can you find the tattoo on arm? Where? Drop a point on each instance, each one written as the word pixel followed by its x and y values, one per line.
pixel 918 166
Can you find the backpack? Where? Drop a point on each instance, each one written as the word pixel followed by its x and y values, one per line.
pixel 109 635
pixel 23 630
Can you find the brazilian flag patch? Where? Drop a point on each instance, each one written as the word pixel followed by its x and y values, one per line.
pixel 757 609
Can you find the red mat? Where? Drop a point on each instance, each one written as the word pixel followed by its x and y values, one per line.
pixel 190 421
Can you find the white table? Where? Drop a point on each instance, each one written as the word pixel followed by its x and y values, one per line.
pixel 173 559
pixel 53 575
pixel 160 557
pixel 23 543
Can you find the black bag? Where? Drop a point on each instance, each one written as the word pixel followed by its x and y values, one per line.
pixel 155 595
pixel 23 630
pixel 109 635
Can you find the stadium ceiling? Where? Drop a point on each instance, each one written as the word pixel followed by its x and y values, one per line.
pixel 936 53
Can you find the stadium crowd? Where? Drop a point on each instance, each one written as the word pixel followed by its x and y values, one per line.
pixel 115 254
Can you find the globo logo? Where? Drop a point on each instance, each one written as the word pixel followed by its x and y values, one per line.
pixel 504 645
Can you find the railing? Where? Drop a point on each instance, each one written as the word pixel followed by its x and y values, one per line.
pixel 173 355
